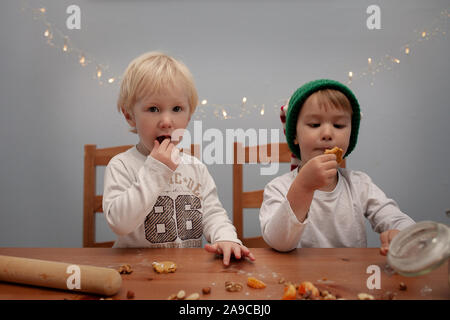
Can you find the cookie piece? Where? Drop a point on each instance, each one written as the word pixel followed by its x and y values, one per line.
pixel 337 151
pixel 255 283
pixel 162 138
pixel 164 266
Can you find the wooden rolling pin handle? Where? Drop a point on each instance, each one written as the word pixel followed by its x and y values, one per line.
pixel 51 274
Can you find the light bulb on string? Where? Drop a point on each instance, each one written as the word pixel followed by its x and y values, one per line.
pixel 83 60
pixel 65 46
pixel 52 34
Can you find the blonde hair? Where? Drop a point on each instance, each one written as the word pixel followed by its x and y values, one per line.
pixel 335 98
pixel 151 72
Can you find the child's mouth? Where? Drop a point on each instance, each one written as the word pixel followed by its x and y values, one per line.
pixel 162 138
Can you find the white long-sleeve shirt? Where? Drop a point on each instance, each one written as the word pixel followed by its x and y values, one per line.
pixel 335 219
pixel 148 205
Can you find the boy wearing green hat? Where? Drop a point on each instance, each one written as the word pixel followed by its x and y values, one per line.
pixel 319 204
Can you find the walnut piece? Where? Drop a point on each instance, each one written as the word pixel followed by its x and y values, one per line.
pixel 233 286
pixel 125 269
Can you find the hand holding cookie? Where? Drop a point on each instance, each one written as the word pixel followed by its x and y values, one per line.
pixel 318 172
pixel 337 151
pixel 167 153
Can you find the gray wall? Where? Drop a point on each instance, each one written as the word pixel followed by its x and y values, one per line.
pixel 264 50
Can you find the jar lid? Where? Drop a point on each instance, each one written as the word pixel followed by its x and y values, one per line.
pixel 420 248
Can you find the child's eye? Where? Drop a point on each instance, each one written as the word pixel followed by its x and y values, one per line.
pixel 314 125
pixel 153 109
pixel 339 126
pixel 177 108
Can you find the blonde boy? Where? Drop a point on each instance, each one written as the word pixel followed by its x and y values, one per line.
pixel 319 204
pixel 155 196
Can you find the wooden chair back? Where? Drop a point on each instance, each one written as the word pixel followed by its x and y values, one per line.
pixel 92 202
pixel 253 199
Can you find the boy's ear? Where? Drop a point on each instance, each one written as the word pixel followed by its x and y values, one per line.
pixel 295 140
pixel 129 117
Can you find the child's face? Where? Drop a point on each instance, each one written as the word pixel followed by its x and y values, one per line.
pixel 160 114
pixel 322 127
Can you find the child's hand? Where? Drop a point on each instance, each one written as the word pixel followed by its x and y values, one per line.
pixel 226 248
pixel 318 172
pixel 386 238
pixel 166 153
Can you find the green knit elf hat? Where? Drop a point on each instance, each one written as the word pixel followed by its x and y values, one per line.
pixel 299 97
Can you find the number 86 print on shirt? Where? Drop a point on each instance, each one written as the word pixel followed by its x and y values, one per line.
pixel 161 225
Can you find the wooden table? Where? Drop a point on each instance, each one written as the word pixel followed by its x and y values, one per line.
pixel 342 272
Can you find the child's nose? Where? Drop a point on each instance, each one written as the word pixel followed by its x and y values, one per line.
pixel 326 133
pixel 166 121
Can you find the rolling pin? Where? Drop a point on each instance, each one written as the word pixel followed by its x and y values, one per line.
pixel 51 274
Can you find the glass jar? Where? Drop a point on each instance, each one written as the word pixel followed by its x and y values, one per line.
pixel 420 249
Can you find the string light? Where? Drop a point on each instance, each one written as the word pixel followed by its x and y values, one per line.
pixel 57 39
pixel 439 27
pixel 65 46
pixel 83 61
pixel 369 61
pixel 51 31
pixel 350 75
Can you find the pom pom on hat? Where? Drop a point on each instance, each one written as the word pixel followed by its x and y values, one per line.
pixel 289 113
